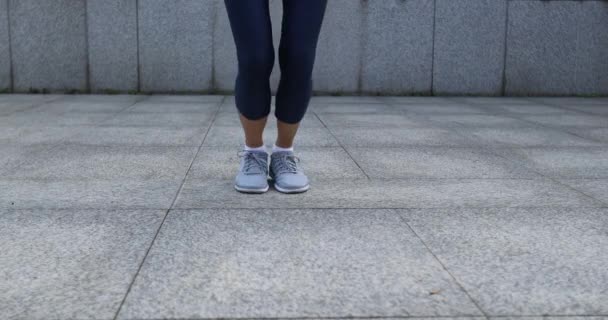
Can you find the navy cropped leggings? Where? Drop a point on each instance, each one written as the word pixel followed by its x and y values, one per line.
pixel 251 28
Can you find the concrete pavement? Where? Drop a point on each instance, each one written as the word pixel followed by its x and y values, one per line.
pixel 123 207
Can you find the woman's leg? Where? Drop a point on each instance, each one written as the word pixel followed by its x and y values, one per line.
pixel 252 31
pixel 301 25
pixel 300 32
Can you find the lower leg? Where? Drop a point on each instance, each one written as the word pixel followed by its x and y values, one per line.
pixel 254 130
pixel 251 28
pixel 286 134
pixel 300 30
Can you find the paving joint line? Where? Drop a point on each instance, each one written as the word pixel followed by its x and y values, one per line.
pixel 546 176
pixel 46 147
pixel 63 141
pixel 319 317
pixel 36 105
pixel 558 106
pixel 341 145
pixel 297 208
pixel 522 165
pixel 451 127
pixel 380 317
pixel 485 315
pixel 562 129
pixel 135 276
pixel 114 115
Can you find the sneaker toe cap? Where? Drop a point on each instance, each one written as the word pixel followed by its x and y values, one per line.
pixel 251 181
pixel 292 181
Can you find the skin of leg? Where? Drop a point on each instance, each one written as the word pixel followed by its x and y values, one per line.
pixel 252 31
pixel 254 130
pixel 286 134
pixel 301 26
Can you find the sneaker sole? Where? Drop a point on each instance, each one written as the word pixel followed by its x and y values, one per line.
pixel 299 190
pixel 246 190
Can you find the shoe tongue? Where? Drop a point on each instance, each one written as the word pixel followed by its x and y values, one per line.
pixel 256 151
pixel 284 153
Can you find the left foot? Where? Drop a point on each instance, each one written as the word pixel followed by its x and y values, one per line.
pixel 287 176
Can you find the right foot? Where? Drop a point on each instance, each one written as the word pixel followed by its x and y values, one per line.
pixel 253 172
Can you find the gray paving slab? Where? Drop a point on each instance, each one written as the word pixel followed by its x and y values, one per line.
pixel 595 188
pixel 87 193
pixel 566 101
pixel 185 98
pixel 12 155
pixel 112 45
pixel 174 107
pixel 10 103
pixel 73 264
pixel 524 137
pixel 596 134
pixel 318 163
pixel 100 98
pixel 135 136
pixel 81 162
pixel 478 120
pixel 34 135
pixel 338 59
pixel 495 100
pixel 5 64
pixel 469 47
pixel 7 108
pixel 530 109
pixel 345 99
pixel 300 263
pixel 440 108
pixel 233 136
pixel 378 120
pixel 49 47
pixel 232 119
pixel 353 108
pixel 67 106
pixel 50 118
pixel 542 43
pixel 156 119
pixel 398 193
pixel 398 137
pixel 397 49
pixel 600 109
pixel 30 98
pixel 564 162
pixel 436 162
pixel 183 62
pixel 567 120
pixel 524 261
pixel 551 317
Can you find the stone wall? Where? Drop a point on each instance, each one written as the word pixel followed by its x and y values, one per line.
pixel 439 47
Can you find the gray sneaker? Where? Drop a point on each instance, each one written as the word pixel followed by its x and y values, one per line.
pixel 253 172
pixel 288 178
